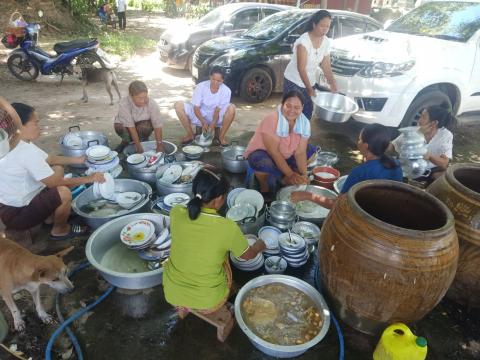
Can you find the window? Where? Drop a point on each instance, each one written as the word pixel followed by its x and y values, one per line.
pixel 246 19
pixel 268 12
pixel 351 26
pixel 372 27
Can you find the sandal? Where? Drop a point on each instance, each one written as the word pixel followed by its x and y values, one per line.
pixel 75 231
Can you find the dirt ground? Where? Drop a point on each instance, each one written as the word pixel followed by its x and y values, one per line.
pixel 142 325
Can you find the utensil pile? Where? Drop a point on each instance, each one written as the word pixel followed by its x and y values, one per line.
pixel 151 242
pixel 293 249
pixel 180 173
pixel 101 158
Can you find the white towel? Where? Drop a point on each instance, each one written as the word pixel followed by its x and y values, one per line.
pixel 302 125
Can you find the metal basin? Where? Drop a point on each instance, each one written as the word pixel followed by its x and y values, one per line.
pixel 89 138
pixel 233 159
pixel 335 108
pixel 319 213
pixel 282 351
pixel 107 236
pixel 121 185
pixel 147 174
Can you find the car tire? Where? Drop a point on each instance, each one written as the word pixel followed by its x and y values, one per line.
pixel 428 98
pixel 256 85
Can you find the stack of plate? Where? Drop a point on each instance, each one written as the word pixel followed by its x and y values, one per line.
pixel 270 236
pixel 151 243
pixel 294 249
pixel 252 197
pixel 232 195
pixel 241 212
pixel 252 264
pixel 192 152
pixel 167 202
pixel 101 159
pixel 106 189
pixel 172 174
pixel 72 140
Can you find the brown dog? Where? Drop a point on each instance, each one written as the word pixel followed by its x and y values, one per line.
pixel 22 270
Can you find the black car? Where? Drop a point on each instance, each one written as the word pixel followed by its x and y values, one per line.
pixel 176 45
pixel 254 62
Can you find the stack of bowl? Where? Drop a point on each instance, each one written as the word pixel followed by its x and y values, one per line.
pixel 192 152
pixel 293 249
pixel 101 158
pixel 281 214
pixel 152 243
pixel 269 235
pixel 248 265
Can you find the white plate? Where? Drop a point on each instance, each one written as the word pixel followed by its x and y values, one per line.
pixel 136 159
pixel 232 196
pixel 110 158
pixel 137 233
pixel 269 235
pixel 252 197
pixel 97 152
pixel 96 190
pixel 190 169
pixel 107 188
pixel 127 198
pixel 73 140
pixel 240 212
pixel 172 174
pixel 176 198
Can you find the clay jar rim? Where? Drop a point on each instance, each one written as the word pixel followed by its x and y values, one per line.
pixel 328 169
pixel 457 185
pixel 449 219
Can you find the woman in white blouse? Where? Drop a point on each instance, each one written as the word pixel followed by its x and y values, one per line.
pixel 436 123
pixel 312 49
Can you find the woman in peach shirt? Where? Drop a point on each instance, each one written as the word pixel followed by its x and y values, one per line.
pixel 279 149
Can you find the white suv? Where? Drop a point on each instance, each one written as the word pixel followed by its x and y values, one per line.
pixel 429 56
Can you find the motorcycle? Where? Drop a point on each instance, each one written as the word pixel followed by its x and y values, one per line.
pixel 27 62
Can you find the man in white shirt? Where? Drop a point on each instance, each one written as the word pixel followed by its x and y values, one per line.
pixel 121 12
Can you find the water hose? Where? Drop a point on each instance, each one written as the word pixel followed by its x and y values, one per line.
pixel 341 342
pixel 64 325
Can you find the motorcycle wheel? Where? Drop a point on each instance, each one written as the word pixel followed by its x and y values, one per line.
pixel 90 59
pixel 23 69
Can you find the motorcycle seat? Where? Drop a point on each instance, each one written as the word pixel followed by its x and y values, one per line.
pixel 63 47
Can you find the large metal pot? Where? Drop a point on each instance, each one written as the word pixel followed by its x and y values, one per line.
pixel 252 225
pixel 89 138
pixel 282 210
pixel 121 185
pixel 233 159
pixel 335 108
pixel 107 236
pixel 147 174
pixel 164 188
pixel 282 351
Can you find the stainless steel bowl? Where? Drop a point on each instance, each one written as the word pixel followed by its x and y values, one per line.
pixel 282 210
pixel 121 185
pixel 335 108
pixel 107 236
pixel 282 351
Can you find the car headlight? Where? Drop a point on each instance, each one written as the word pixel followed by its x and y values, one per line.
pixel 381 69
pixel 226 59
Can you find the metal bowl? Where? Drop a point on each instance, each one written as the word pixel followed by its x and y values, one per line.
pixel 121 185
pixel 282 351
pixel 282 210
pixel 170 148
pixel 108 235
pixel 335 108
pixel 233 159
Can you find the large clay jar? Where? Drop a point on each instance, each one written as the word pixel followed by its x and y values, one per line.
pixel 388 253
pixel 459 189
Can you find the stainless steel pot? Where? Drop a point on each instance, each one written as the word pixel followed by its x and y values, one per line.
pixel 252 225
pixel 121 185
pixel 89 138
pixel 233 159
pixel 282 351
pixel 282 211
pixel 164 188
pixel 282 225
pixel 107 236
pixel 147 174
pixel 335 108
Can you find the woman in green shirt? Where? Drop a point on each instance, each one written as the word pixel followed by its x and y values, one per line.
pixel 197 275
